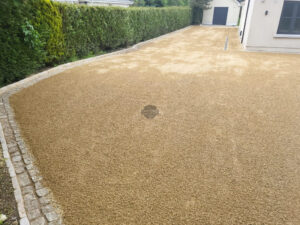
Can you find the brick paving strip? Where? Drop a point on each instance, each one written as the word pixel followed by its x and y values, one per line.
pixel 35 203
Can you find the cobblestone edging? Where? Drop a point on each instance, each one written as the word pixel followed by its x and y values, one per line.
pixel 13 176
pixel 33 199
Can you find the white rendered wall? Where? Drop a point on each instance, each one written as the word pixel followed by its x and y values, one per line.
pixel 261 29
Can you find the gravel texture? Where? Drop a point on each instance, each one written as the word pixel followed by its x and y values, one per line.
pixel 8 204
pixel 224 148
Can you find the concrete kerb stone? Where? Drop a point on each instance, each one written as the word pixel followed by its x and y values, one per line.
pixel 32 197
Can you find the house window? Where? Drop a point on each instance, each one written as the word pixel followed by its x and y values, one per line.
pixel 290 18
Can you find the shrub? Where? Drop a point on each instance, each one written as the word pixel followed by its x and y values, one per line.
pixel 147 23
pixel 47 20
pixel 18 38
pixel 197 9
pixel 91 29
pixel 30 38
pixel 197 15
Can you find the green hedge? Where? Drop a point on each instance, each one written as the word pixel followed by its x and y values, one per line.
pixel 35 34
pixel 30 38
pixel 18 55
pixel 46 19
pixel 89 30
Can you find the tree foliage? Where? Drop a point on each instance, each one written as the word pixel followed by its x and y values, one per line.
pixel 197 9
pixel 202 4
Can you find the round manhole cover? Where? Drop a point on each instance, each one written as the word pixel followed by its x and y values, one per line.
pixel 150 111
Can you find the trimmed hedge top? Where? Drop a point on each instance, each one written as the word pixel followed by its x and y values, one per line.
pixel 39 33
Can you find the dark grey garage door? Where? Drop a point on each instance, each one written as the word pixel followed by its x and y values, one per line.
pixel 220 15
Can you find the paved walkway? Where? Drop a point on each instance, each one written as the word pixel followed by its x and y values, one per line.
pixel 224 147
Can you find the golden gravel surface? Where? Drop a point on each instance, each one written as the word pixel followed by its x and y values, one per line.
pixel 224 148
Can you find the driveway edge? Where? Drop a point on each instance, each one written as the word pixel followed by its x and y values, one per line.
pixel 13 176
pixel 32 79
pixel 35 202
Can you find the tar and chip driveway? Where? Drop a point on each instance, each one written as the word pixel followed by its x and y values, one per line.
pixel 224 148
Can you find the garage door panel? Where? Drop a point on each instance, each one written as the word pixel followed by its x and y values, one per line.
pixel 220 15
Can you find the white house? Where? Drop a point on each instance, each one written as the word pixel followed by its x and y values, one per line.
pixel 222 12
pixel 271 25
pixel 121 3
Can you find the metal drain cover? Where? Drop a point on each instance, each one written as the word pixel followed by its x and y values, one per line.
pixel 150 111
